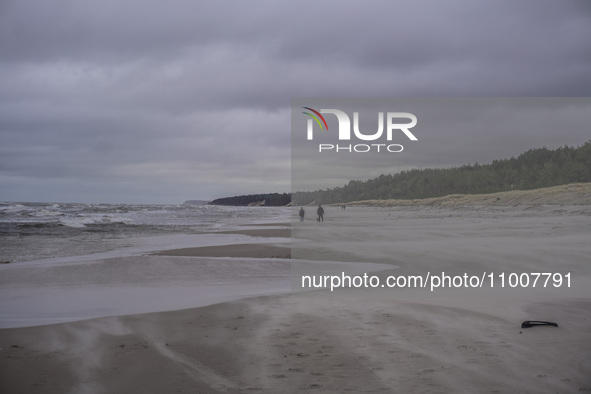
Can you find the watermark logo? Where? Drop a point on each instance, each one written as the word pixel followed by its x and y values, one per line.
pixel 396 123
pixel 310 131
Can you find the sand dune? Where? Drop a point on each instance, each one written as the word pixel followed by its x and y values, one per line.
pixel 573 194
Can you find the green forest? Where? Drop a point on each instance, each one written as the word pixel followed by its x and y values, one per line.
pixel 533 169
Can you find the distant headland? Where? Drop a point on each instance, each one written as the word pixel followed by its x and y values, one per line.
pixel 196 202
pixel 252 200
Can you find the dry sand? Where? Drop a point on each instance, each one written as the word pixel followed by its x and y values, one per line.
pixel 350 340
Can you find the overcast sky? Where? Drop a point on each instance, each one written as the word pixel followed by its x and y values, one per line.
pixel 164 101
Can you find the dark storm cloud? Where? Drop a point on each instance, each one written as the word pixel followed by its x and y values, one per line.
pixel 131 96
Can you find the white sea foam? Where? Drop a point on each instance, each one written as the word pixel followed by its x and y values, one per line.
pixel 84 220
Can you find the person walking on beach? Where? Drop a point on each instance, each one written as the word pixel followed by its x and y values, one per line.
pixel 320 213
pixel 302 213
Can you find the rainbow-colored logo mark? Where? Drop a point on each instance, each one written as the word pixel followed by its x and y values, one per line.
pixel 316 118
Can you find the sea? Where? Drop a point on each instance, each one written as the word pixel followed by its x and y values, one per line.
pixel 47 230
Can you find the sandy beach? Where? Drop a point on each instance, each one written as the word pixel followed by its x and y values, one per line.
pixel 386 340
pixel 294 343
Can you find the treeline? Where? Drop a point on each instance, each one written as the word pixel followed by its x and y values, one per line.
pixel 533 169
pixel 272 200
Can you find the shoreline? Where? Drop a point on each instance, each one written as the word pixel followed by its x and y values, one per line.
pixel 350 340
pixel 267 251
pixel 241 250
pixel 140 280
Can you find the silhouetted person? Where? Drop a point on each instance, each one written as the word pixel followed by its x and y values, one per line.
pixel 320 213
pixel 302 213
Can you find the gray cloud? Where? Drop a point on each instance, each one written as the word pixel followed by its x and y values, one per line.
pixel 151 101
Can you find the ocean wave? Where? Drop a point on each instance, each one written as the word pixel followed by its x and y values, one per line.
pixel 84 221
pixel 30 231
pixel 14 209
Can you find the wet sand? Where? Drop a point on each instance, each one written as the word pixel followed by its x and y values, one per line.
pixel 239 250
